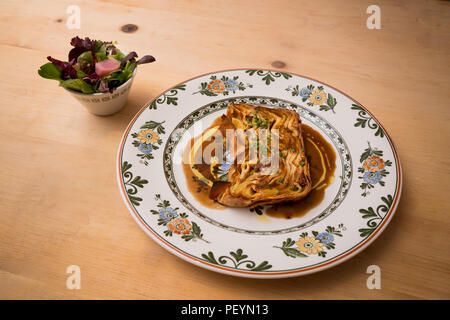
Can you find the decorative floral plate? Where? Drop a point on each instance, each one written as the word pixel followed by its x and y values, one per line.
pixel 356 207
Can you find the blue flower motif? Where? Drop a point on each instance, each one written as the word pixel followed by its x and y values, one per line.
pixel 372 177
pixel 145 148
pixel 167 213
pixel 225 166
pixel 305 93
pixel 223 170
pixel 231 85
pixel 325 238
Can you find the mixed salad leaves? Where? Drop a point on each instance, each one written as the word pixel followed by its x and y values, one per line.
pixel 93 66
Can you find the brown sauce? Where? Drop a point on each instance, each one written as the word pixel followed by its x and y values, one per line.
pixel 196 187
pixel 321 157
pixel 322 164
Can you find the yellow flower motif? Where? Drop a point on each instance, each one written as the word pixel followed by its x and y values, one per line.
pixel 318 97
pixel 148 136
pixel 309 245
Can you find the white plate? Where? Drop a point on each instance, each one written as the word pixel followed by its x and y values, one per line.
pixel 358 205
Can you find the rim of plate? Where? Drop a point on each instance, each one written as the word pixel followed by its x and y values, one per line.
pixel 251 274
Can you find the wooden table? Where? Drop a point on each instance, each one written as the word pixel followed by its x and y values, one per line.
pixel 59 202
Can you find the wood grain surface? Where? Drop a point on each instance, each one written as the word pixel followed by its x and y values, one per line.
pixel 59 202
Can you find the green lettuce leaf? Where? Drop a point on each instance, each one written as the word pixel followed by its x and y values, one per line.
pixel 77 85
pixel 50 71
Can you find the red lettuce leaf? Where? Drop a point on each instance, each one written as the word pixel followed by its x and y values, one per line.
pixel 75 52
pixel 128 57
pixel 146 59
pixel 67 69
pixel 91 78
pixel 80 46
pixel 86 43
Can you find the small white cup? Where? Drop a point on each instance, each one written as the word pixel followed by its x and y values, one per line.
pixel 105 103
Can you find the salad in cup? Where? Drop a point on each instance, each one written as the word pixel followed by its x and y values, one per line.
pixel 96 73
pixel 93 66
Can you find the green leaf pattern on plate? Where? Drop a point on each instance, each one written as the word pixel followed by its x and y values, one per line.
pixel 169 97
pixel 268 76
pixel 375 216
pixel 236 260
pixel 366 119
pixel 132 183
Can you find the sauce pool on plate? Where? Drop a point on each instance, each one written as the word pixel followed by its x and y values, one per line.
pixel 322 161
